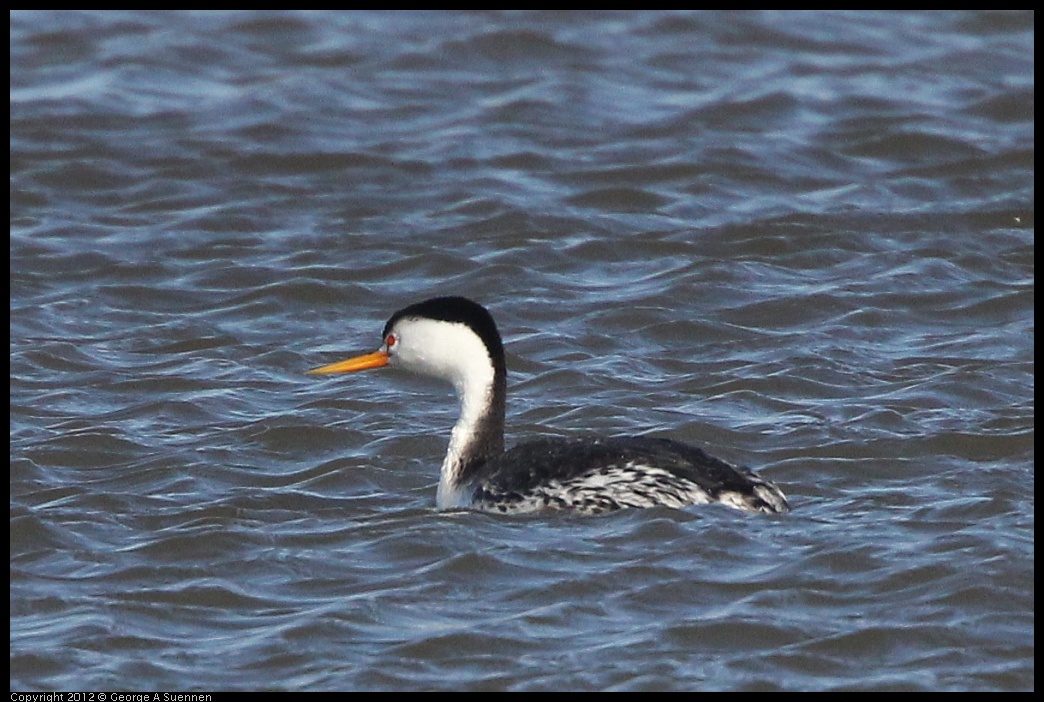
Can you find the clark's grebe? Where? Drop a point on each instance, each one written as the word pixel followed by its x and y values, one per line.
pixel 456 339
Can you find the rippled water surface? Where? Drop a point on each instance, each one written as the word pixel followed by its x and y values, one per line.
pixel 802 241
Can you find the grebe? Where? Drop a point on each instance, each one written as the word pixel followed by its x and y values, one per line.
pixel 455 339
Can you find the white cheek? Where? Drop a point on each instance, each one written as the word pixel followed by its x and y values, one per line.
pixel 442 350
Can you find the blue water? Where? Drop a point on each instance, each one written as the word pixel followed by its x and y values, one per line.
pixel 803 241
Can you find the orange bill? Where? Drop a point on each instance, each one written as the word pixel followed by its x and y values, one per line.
pixel 358 363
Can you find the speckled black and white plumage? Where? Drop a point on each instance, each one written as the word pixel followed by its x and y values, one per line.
pixel 456 339
pixel 598 475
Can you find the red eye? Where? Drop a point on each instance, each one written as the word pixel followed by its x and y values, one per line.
pixel 390 340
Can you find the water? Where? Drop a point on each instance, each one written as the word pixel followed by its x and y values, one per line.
pixel 802 241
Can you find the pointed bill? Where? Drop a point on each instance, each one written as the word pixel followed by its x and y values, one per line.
pixel 376 359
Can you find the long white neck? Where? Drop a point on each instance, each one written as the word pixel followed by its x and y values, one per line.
pixel 477 436
pixel 454 352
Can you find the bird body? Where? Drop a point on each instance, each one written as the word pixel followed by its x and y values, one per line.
pixel 455 339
